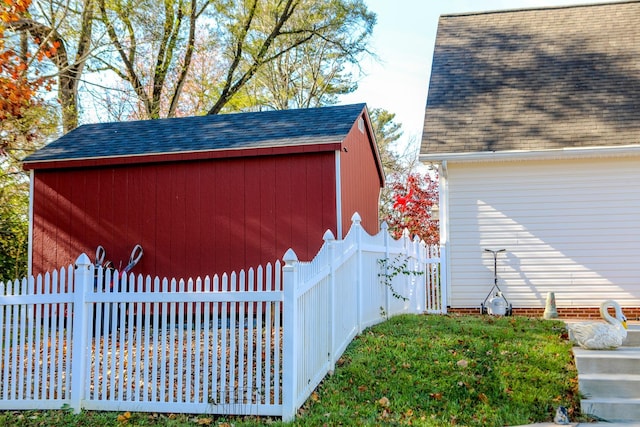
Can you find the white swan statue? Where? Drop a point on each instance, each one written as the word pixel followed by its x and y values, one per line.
pixel 598 335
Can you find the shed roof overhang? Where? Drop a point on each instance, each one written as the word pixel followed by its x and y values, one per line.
pixel 180 156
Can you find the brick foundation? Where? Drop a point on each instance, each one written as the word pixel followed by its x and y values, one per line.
pixel 632 313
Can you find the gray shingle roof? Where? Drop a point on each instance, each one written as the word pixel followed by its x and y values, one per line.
pixel 535 80
pixel 203 133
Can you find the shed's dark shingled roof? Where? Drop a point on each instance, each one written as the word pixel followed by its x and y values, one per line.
pixel 535 79
pixel 204 133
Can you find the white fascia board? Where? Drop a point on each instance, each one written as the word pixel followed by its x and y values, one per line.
pixel 561 153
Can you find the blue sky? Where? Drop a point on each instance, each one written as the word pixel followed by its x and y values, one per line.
pixel 403 39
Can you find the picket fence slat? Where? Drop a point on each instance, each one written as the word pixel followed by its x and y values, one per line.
pixel 232 344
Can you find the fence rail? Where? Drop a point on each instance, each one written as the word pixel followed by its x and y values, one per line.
pixel 249 343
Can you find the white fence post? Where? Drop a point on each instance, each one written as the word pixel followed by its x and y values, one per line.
pixel 355 225
pixel 329 240
pixel 419 276
pixel 444 278
pixel 290 335
pixel 406 247
pixel 82 280
pixel 423 268
pixel 387 291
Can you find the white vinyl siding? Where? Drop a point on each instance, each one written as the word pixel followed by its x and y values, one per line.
pixel 569 226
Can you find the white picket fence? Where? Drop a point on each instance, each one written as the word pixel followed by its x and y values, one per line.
pixel 252 343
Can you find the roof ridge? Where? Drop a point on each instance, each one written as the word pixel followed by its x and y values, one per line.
pixel 233 114
pixel 525 9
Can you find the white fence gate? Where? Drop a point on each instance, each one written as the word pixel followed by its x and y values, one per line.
pixel 253 343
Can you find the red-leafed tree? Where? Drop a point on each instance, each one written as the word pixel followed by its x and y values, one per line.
pixel 413 201
pixel 20 78
pixel 16 89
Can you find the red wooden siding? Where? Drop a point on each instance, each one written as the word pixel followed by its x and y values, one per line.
pixel 192 218
pixel 361 180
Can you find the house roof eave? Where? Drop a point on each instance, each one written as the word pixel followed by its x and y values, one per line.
pixel 519 155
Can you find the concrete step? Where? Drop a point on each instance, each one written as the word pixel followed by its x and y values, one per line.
pixel 633 336
pixel 610 380
pixel 620 360
pixel 612 409
pixel 610 385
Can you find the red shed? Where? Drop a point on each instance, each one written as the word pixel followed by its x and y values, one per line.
pixel 204 195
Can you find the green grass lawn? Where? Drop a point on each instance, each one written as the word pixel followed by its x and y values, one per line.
pixel 413 370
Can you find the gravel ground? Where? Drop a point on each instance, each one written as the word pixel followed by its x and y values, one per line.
pixel 229 365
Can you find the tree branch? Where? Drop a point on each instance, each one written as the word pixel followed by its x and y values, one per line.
pixel 231 88
pixel 132 77
pixel 188 56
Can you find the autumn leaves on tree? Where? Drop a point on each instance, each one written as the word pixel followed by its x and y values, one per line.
pixel 413 206
pixel 409 197
pixel 20 78
pixel 16 89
